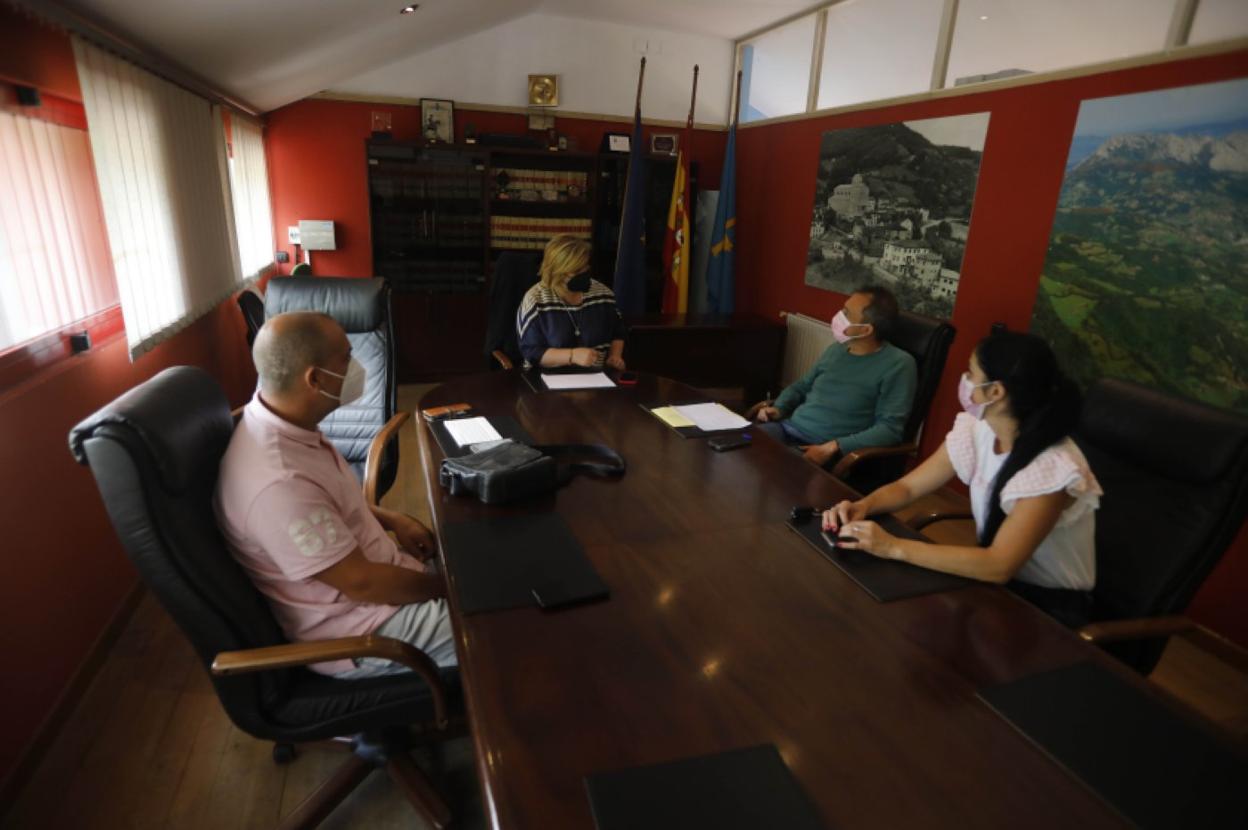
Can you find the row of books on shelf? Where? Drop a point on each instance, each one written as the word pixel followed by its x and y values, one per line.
pixel 541 185
pixel 452 184
pixel 429 228
pixel 451 275
pixel 522 233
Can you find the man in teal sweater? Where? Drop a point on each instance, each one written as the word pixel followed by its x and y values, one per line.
pixel 858 394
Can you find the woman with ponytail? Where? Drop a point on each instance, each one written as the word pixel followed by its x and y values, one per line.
pixel 1032 493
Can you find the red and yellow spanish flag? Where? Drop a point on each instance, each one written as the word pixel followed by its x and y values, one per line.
pixel 676 244
pixel 676 250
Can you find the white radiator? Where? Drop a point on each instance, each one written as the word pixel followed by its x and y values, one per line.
pixel 803 343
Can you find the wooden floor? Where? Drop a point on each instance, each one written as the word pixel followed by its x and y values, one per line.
pixel 149 747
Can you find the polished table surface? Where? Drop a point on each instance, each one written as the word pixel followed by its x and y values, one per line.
pixel 724 629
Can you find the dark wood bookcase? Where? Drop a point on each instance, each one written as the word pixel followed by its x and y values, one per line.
pixel 440 215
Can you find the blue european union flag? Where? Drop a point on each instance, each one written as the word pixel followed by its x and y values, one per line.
pixel 630 258
pixel 720 277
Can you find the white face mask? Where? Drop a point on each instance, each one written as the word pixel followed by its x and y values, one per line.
pixel 840 324
pixel 352 383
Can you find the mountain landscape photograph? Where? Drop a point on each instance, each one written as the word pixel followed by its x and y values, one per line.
pixel 1146 276
pixel 893 207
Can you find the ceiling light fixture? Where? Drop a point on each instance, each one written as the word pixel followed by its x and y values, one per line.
pixel 983 17
pixel 409 9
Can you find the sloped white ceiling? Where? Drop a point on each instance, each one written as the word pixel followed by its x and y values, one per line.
pixel 596 62
pixel 272 52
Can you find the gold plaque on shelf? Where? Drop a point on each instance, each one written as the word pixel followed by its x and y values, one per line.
pixel 543 90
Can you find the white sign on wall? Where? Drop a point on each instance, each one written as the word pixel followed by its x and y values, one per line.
pixel 317 234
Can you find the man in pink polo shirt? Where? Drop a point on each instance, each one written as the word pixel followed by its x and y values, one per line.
pixel 295 517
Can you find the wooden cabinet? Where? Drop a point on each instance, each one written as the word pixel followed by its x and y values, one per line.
pixel 441 215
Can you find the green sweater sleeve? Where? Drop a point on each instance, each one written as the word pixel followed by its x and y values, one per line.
pixel 792 397
pixel 892 408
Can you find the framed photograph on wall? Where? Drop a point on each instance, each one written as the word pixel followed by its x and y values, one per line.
pixel 437 120
pixel 664 143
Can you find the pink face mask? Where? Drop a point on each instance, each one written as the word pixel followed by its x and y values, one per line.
pixel 965 390
pixel 840 323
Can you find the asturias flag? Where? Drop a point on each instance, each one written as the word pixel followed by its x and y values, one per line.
pixel 720 277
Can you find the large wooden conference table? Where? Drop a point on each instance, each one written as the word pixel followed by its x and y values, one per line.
pixel 725 629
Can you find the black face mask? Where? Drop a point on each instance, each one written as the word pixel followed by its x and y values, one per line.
pixel 579 283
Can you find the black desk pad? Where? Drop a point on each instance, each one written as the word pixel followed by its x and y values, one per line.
pixel 690 432
pixel 1156 769
pixel 497 562
pixel 504 425
pixel 884 579
pixel 533 377
pixel 742 789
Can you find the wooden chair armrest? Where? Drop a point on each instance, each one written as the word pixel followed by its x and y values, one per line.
pixel 373 463
pixel 920 522
pixel 503 360
pixel 290 655
pixel 850 459
pixel 1145 628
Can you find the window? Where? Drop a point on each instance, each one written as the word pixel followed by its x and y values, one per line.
pixel 161 164
pixel 997 38
pixel 55 267
pixel 877 49
pixel 776 68
pixel 249 188
pixel 1219 20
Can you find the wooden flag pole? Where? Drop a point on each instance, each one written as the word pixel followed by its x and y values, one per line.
pixel 693 98
pixel 736 107
pixel 641 77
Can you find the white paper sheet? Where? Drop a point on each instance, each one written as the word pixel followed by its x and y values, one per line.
pixel 712 417
pixel 593 380
pixel 467 431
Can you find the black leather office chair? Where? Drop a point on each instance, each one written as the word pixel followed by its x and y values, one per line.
pixel 515 273
pixel 362 308
pixel 251 304
pixel 154 453
pixel 1175 476
pixel 927 340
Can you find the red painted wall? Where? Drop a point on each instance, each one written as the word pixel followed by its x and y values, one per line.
pixel 36 54
pixel 1020 178
pixel 65 572
pixel 317 168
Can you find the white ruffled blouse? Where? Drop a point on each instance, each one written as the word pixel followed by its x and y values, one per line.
pixel 1067 556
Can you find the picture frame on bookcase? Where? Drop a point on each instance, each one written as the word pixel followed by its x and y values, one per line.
pixel 437 120
pixel 664 143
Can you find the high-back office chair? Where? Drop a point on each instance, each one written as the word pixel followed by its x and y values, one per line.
pixel 927 340
pixel 155 452
pixel 515 273
pixel 362 308
pixel 1175 476
pixel 251 304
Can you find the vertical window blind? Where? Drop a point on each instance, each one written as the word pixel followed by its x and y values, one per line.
pixel 55 266
pixel 249 186
pixel 161 164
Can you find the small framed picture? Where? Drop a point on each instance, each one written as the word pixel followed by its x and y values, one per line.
pixel 437 120
pixel 664 143
pixel 617 142
pixel 563 142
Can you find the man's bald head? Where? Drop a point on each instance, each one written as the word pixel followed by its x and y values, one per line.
pixel 288 344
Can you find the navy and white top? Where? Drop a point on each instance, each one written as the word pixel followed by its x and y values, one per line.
pixel 545 321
